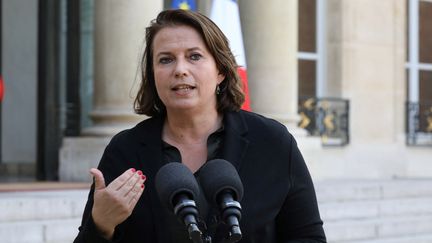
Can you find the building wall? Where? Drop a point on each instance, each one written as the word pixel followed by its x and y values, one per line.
pixel 366 46
pixel 366 54
pixel 365 64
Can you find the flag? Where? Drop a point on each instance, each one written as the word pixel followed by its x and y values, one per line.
pixel 184 4
pixel 1 88
pixel 226 15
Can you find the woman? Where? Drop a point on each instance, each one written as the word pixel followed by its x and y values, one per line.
pixel 192 93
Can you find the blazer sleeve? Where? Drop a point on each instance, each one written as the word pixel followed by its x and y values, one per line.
pixel 111 168
pixel 299 219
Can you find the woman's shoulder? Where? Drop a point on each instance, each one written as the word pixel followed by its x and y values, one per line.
pixel 262 123
pixel 139 132
pixel 257 127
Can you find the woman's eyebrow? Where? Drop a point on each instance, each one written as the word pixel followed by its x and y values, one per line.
pixel 161 53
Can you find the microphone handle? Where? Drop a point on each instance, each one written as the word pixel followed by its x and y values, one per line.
pixel 186 209
pixel 231 214
pixel 235 233
pixel 194 232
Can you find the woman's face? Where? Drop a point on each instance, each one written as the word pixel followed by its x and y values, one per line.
pixel 185 72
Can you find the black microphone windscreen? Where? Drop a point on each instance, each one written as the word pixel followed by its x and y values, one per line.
pixel 218 175
pixel 172 179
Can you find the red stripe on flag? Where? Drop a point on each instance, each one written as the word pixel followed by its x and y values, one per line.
pixel 1 89
pixel 243 76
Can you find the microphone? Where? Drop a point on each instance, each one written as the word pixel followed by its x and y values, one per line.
pixel 177 189
pixel 222 187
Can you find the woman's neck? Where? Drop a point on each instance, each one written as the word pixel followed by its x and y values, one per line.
pixel 189 129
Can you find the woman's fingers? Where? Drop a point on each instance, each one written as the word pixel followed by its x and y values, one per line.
pixel 129 184
pixel 118 183
pixel 99 179
pixel 115 202
pixel 136 192
pixel 127 188
pixel 135 180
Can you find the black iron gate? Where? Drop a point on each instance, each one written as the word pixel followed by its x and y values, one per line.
pixel 327 118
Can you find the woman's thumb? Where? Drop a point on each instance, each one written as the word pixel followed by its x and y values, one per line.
pixel 98 178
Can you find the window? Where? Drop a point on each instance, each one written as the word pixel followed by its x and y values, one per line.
pixel 419 58
pixel 419 72
pixel 311 51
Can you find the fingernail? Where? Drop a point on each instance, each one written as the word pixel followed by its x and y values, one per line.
pixel 139 172
pixel 133 170
pixel 143 177
pixel 142 186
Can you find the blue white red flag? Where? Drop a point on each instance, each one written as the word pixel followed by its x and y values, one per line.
pixel 226 15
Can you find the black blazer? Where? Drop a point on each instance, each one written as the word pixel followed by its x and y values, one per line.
pixel 279 202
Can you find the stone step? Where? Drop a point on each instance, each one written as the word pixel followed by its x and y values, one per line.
pixel 348 190
pixel 332 211
pixel 422 238
pixel 353 211
pixel 377 228
pixel 40 231
pixel 42 205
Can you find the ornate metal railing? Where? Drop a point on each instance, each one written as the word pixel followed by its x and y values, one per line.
pixel 327 118
pixel 419 123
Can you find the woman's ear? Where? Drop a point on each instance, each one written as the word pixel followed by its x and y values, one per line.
pixel 221 77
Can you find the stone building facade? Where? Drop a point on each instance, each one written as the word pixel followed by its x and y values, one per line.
pixel 373 56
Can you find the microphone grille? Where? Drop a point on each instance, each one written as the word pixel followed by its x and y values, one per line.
pixel 172 179
pixel 218 175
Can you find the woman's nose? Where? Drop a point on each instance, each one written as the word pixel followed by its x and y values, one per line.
pixel 181 69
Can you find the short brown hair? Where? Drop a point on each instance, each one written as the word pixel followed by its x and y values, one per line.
pixel 231 97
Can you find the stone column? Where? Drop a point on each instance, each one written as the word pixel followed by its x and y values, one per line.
pixel 119 43
pixel 270 36
pixel 366 56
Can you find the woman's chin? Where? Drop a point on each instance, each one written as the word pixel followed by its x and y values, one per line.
pixel 184 106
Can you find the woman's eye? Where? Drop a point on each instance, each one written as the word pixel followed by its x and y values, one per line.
pixel 195 57
pixel 165 60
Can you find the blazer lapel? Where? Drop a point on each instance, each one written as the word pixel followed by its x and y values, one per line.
pixel 151 155
pixel 235 143
pixel 151 151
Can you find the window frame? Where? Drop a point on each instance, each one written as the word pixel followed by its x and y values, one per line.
pixel 320 54
pixel 413 64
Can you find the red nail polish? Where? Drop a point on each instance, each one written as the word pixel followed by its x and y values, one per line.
pixel 142 186
pixel 143 177
pixel 139 172
pixel 133 170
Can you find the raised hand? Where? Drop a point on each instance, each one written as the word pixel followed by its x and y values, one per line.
pixel 114 203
